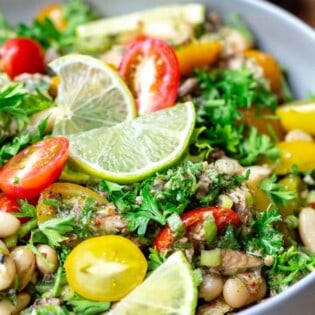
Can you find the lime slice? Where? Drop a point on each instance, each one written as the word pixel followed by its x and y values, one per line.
pixel 90 95
pixel 169 290
pixel 137 148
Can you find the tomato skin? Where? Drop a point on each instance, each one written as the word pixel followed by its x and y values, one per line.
pixel 269 65
pixel 221 216
pixel 63 191
pixel 197 55
pixel 53 12
pixel 300 153
pixel 150 69
pixel 22 55
pixel 33 169
pixel 105 268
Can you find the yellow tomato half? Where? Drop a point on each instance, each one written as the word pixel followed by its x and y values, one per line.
pixel 105 268
pixel 298 115
pixel 64 193
pixel 300 153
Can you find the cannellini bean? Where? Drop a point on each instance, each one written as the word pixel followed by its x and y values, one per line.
pixel 307 227
pixel 211 287
pixel 298 135
pixel 50 262
pixel 9 224
pixel 237 295
pixel 7 272
pixel 7 308
pixel 25 264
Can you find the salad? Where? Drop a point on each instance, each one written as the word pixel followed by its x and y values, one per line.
pixel 151 163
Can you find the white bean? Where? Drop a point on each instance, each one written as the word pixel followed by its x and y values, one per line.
pixel 24 260
pixel 7 272
pixel 307 227
pixel 50 262
pixel 9 224
pixel 7 308
pixel 211 287
pixel 237 295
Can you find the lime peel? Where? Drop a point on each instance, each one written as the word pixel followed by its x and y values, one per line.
pixel 135 149
pixel 170 289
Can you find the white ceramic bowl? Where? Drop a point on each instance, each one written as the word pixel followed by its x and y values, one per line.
pixel 288 39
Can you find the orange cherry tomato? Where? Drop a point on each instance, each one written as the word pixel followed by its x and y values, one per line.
pixel 197 55
pixel 105 268
pixel 33 169
pixel 53 12
pixel 221 216
pixel 269 65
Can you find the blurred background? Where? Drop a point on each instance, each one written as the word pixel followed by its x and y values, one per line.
pixel 304 9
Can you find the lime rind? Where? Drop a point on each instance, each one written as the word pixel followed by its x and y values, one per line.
pixel 170 289
pixel 90 95
pixel 135 149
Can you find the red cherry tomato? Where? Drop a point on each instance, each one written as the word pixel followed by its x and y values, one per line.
pixel 151 70
pixel 35 168
pixel 8 204
pixel 221 216
pixel 22 55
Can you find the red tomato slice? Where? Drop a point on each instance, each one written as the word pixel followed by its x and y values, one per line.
pixel 35 168
pixel 221 216
pixel 151 70
pixel 22 55
pixel 8 204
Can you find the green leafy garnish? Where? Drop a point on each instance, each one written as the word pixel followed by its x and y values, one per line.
pixel 276 192
pixel 265 239
pixel 219 115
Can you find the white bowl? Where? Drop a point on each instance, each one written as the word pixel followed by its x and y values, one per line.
pixel 291 41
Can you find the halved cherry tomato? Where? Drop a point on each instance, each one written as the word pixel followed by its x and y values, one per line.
pixel 269 65
pixel 151 71
pixel 8 204
pixel 64 193
pixel 197 55
pixel 298 115
pixel 105 268
pixel 22 55
pixel 299 153
pixel 35 168
pixel 222 217
pixel 55 13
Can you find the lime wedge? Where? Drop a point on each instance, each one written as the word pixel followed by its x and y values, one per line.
pixel 137 148
pixel 169 290
pixel 90 95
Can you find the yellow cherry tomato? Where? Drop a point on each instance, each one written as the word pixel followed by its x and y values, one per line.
pixel 269 65
pixel 64 193
pixel 105 268
pixel 55 13
pixel 300 153
pixel 298 115
pixel 197 55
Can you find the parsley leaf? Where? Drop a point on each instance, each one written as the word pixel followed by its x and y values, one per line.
pixel 54 229
pixel 81 305
pixel 265 239
pixel 289 267
pixel 156 258
pixel 229 239
pixel 276 192
pixel 219 108
pixel 76 12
